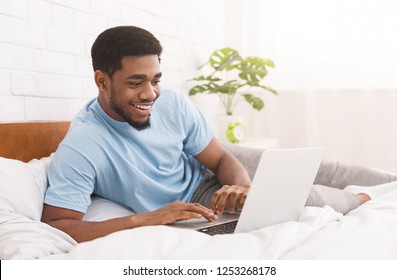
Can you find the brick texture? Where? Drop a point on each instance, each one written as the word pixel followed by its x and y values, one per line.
pixel 45 65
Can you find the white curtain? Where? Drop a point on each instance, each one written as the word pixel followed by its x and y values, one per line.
pixel 335 72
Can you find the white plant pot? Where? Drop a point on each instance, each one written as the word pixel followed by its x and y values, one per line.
pixel 223 125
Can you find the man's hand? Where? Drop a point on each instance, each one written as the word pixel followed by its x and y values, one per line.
pixel 230 173
pixel 70 221
pixel 174 212
pixel 229 198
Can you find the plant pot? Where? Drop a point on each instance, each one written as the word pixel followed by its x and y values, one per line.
pixel 230 128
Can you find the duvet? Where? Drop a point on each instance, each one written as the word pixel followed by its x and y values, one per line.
pixel 368 232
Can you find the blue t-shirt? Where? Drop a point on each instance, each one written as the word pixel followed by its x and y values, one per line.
pixel 142 170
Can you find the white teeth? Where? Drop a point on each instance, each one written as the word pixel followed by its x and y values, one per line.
pixel 142 107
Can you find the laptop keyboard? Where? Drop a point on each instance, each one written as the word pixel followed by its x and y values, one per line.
pixel 220 229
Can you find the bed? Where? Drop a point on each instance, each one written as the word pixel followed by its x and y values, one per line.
pixel 368 232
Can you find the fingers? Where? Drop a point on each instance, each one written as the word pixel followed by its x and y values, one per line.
pixel 197 208
pixel 241 201
pixel 178 211
pixel 229 198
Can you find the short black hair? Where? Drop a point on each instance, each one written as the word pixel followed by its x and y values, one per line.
pixel 115 43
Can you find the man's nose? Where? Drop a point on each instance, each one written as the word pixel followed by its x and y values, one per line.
pixel 148 92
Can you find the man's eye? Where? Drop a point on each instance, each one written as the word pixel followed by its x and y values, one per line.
pixel 156 82
pixel 135 84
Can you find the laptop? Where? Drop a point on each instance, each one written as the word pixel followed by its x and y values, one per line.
pixel 278 193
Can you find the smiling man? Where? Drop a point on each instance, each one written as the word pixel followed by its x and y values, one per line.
pixel 142 146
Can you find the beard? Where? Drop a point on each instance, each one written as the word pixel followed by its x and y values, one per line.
pixel 138 125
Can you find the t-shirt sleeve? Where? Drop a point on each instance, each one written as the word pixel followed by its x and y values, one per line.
pixel 199 130
pixel 71 180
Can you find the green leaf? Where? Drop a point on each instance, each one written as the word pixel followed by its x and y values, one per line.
pixel 255 101
pixel 268 89
pixel 205 88
pixel 268 62
pixel 230 87
pixel 206 78
pixel 253 69
pixel 227 89
pixel 224 59
pixel 197 89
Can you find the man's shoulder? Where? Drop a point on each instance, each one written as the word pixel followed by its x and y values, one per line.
pixel 84 135
pixel 172 96
pixel 168 90
pixel 85 130
pixel 173 92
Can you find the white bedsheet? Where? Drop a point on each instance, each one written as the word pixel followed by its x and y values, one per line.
pixel 369 232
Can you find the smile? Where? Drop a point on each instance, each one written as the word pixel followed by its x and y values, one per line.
pixel 142 107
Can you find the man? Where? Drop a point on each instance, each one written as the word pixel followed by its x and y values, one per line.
pixel 136 147
pixel 142 146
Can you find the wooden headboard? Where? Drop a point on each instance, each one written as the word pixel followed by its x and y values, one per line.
pixel 27 140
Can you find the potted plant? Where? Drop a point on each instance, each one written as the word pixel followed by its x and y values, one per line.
pixel 233 78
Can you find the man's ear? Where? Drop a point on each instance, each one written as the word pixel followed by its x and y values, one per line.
pixel 101 80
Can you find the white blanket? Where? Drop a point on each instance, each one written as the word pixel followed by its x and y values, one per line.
pixel 369 232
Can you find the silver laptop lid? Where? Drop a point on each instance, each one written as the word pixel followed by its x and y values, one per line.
pixel 280 188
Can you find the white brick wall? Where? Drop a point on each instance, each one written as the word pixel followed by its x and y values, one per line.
pixel 45 65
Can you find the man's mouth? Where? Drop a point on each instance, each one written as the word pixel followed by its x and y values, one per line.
pixel 142 107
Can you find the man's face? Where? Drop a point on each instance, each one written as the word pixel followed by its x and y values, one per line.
pixel 133 90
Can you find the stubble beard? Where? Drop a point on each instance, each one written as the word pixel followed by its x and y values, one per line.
pixel 125 116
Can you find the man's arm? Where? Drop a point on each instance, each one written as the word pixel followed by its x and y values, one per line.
pixel 230 173
pixel 70 221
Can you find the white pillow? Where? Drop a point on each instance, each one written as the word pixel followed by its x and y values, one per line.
pixel 102 209
pixel 22 235
pixel 22 186
pixel 24 239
